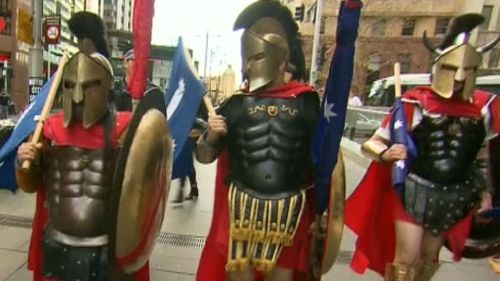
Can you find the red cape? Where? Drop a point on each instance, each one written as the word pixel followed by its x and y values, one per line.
pixel 370 212
pixel 289 90
pixel 75 135
pixel 214 255
pixel 372 208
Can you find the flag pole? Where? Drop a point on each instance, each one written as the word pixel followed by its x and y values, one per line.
pixel 208 104
pixel 47 105
pixel 313 75
pixel 397 80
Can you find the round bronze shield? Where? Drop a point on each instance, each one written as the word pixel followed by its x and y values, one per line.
pixel 484 237
pixel 141 183
pixel 144 192
pixel 334 216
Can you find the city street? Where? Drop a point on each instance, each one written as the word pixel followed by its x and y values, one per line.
pixel 186 224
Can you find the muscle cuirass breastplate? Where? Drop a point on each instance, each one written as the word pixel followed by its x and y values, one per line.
pixel 269 143
pixel 78 187
pixel 447 147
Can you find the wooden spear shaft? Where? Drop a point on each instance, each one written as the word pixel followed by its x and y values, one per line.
pixel 397 80
pixel 208 104
pixel 47 106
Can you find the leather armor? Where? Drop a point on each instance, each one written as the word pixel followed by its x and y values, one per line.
pixel 269 142
pixel 78 188
pixel 447 148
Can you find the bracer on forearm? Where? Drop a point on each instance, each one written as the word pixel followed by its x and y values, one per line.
pixel 29 180
pixel 373 149
pixel 205 151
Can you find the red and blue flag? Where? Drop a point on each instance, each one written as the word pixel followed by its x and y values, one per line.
pixel 326 142
pixel 400 135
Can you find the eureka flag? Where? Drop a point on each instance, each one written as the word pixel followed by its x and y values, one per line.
pixel 183 97
pixel 24 127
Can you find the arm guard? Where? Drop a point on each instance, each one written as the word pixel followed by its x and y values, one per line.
pixel 31 180
pixel 28 180
pixel 374 149
pixel 206 152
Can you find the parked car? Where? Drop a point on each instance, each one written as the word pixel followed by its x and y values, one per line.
pixel 382 90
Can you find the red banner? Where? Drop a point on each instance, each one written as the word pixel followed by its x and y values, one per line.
pixel 142 25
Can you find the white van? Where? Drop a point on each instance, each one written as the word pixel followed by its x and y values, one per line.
pixel 382 90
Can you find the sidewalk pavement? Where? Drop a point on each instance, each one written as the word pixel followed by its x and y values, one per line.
pixel 176 255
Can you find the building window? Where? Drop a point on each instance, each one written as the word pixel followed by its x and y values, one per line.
pixel 405 62
pixel 487 10
pixel 408 27
pixel 378 27
pixel 441 26
pixel 374 62
pixel 310 13
pixel 494 60
pixel 5 6
pixel 498 22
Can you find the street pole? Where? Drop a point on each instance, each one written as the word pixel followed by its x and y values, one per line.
pixel 5 77
pixel 206 55
pixel 317 28
pixel 48 61
pixel 36 51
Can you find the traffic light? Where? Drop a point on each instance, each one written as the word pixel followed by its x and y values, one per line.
pixel 299 13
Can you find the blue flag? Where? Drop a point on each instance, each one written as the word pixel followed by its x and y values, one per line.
pixel 399 134
pixel 183 97
pixel 24 127
pixel 326 142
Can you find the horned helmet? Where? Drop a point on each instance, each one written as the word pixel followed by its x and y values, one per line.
pixel 86 84
pixel 455 66
pixel 270 45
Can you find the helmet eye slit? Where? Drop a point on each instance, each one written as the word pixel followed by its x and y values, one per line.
pixel 91 84
pixel 70 85
pixel 448 67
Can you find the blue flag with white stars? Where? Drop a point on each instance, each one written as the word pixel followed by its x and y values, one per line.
pixel 326 142
pixel 400 135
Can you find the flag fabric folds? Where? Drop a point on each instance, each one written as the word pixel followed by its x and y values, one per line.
pixel 183 97
pixel 326 142
pixel 24 127
pixel 400 135
pixel 142 25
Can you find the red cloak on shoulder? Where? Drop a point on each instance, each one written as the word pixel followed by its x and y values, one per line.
pixel 374 205
pixel 214 255
pixel 77 136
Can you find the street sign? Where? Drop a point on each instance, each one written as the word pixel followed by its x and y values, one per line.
pixel 35 84
pixel 52 29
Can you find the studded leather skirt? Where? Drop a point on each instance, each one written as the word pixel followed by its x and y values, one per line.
pixel 439 207
pixel 66 263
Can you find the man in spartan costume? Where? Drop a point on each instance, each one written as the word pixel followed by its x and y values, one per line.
pixel 449 123
pixel 261 136
pixel 81 185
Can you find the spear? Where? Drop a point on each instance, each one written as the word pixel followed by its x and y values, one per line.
pixel 47 106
